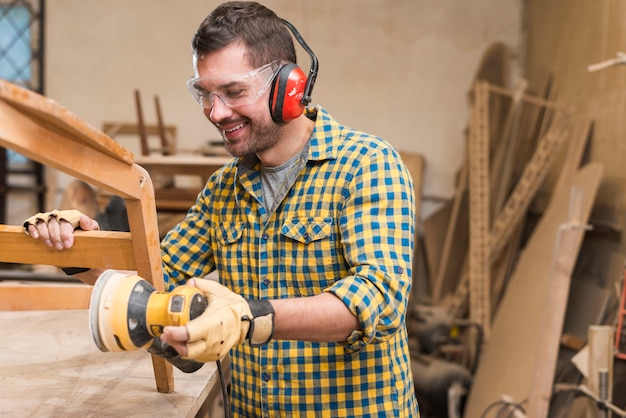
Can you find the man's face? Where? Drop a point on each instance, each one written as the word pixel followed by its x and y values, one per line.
pixel 246 127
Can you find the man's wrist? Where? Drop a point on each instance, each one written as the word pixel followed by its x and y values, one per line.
pixel 262 322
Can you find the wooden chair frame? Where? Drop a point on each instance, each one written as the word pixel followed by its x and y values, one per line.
pixel 46 132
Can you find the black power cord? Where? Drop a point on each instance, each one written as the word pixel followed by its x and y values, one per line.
pixel 224 389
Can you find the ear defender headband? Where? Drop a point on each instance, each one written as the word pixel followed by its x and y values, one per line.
pixel 291 89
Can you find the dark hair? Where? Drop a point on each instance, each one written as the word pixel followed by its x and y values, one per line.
pixel 258 28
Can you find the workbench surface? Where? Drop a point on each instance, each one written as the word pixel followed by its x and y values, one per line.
pixel 50 367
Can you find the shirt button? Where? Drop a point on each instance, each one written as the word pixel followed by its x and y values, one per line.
pixel 266 282
pixel 266 377
pixel 399 270
pixel 265 237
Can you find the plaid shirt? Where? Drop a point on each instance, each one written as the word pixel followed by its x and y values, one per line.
pixel 346 227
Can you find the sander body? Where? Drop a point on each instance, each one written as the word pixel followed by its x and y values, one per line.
pixel 126 312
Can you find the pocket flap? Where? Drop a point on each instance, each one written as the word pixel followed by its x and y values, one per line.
pixel 306 230
pixel 229 232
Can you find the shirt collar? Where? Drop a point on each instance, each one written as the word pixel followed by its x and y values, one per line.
pixel 321 146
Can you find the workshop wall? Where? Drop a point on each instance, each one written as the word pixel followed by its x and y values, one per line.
pixel 400 69
pixel 564 38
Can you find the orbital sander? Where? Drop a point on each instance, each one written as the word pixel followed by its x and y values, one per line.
pixel 127 313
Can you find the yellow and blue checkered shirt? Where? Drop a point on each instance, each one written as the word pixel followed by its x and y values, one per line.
pixel 346 226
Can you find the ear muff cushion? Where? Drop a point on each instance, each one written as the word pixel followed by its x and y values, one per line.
pixel 286 94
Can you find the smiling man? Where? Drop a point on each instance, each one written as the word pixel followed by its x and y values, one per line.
pixel 310 228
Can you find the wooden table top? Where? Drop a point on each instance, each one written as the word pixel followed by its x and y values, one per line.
pixel 51 367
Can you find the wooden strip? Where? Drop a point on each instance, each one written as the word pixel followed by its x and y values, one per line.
pixel 529 99
pixel 143 136
pixel 126 128
pixel 101 249
pixel 415 164
pixel 75 157
pixel 455 242
pixel 43 296
pixel 433 232
pixel 568 237
pixel 503 163
pixel 480 312
pixel 47 112
pixel 167 145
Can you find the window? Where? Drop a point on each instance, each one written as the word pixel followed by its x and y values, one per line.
pixel 15 44
pixel 21 62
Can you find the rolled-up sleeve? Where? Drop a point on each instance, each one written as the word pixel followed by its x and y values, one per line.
pixel 377 229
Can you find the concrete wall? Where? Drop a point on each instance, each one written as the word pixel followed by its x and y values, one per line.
pixel 396 68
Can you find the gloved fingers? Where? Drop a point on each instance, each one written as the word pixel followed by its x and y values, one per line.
pixel 41 217
pixel 197 351
pixel 70 216
pixel 209 287
pixel 214 333
pixel 54 234
pixel 213 290
pixel 209 322
pixel 55 228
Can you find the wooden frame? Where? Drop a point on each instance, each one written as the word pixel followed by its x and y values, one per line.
pixel 46 132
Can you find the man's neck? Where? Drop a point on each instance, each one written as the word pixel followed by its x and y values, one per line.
pixel 293 138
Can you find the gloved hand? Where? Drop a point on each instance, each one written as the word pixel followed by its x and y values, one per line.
pixel 71 216
pixel 228 320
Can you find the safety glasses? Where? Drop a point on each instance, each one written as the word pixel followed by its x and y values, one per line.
pixel 233 90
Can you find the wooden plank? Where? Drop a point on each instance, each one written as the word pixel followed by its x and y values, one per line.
pixel 52 368
pixel 568 239
pixel 73 155
pixel 456 239
pixel 127 128
pixel 507 363
pixel 168 144
pixel 479 278
pixel 15 296
pixel 415 164
pixel 102 249
pixel 49 113
pixel 141 125
pixel 434 231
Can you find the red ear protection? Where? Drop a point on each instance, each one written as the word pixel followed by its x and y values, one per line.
pixel 287 92
pixel 291 89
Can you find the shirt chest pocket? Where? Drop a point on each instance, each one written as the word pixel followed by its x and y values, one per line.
pixel 231 254
pixel 229 232
pixel 309 255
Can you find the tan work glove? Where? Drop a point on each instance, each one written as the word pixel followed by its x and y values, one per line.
pixel 71 216
pixel 227 321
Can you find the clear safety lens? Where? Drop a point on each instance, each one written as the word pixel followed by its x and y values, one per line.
pixel 233 90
